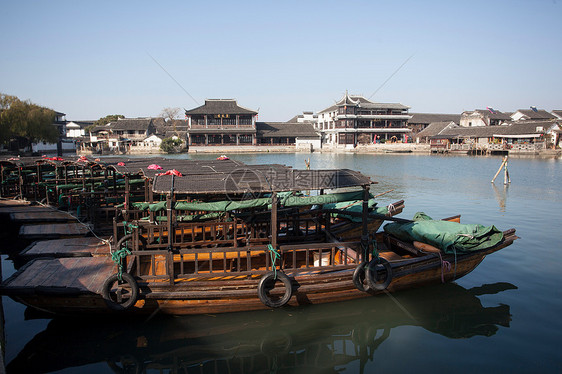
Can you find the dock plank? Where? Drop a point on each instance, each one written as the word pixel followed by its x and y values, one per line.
pixel 53 231
pixel 69 247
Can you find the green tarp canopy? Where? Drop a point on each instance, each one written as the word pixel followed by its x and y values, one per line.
pixel 191 218
pixel 224 206
pixel 296 201
pixel 227 205
pixel 355 206
pixel 448 236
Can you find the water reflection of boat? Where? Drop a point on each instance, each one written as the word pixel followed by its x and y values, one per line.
pixel 320 337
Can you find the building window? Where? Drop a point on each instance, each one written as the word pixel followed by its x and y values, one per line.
pixel 245 139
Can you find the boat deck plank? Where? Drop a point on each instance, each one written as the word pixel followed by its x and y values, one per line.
pixel 12 203
pixel 8 210
pixel 69 247
pixel 30 279
pixel 46 216
pixel 93 280
pixel 76 275
pixel 53 231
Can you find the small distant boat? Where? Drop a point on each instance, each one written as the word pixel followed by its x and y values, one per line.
pixel 223 157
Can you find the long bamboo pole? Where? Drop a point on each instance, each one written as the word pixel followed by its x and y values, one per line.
pixel 500 169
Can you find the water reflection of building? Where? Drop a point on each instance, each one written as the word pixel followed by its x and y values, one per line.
pixel 323 338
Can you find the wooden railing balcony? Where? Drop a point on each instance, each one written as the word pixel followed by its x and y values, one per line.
pixel 239 126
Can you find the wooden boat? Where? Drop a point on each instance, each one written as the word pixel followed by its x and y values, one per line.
pixel 262 252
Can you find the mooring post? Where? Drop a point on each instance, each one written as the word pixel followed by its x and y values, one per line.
pixel 365 224
pixel 274 220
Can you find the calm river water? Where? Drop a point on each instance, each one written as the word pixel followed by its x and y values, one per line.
pixel 502 317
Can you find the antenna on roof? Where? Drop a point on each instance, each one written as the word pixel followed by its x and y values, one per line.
pixel 391 75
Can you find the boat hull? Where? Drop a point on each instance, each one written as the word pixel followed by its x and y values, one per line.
pixel 223 294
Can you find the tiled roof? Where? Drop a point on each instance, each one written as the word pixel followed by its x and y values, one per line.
pixel 363 103
pixel 171 133
pixel 301 116
pixel 350 100
pixel 486 113
pixel 427 118
pixel 220 106
pixel 174 125
pixel 285 129
pixel 515 128
pixel 557 113
pixel 130 124
pixel 435 128
pixel 539 114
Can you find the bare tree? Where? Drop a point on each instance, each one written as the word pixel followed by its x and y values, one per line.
pixel 170 113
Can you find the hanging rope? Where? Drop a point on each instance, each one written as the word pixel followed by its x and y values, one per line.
pixel 130 226
pixel 118 257
pixel 445 266
pixel 455 274
pixel 375 249
pixel 274 255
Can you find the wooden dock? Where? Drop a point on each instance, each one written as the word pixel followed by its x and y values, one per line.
pixel 70 247
pixel 65 276
pixel 53 231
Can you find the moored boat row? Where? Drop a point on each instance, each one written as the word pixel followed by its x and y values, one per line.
pixel 221 236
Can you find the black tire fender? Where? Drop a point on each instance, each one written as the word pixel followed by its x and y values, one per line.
pixel 264 287
pixel 371 274
pixel 359 277
pixel 120 305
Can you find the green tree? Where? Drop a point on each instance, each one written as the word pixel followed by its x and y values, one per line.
pixel 109 118
pixel 25 119
pixel 171 145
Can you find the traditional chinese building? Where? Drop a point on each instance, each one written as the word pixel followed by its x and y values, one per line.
pixel 221 121
pixel 354 120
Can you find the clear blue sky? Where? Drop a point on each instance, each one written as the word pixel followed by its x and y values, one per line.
pixel 90 59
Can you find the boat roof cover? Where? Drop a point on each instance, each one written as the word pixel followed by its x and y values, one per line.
pixel 255 179
pixel 450 237
pixel 192 167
